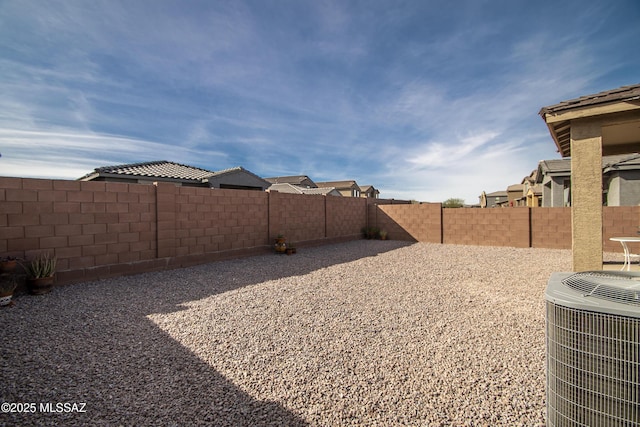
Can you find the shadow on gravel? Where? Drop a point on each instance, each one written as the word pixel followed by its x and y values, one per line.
pixel 92 343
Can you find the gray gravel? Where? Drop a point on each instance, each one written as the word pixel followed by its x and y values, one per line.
pixel 362 333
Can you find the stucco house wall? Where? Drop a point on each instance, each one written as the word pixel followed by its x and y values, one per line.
pixel 624 188
pixel 553 191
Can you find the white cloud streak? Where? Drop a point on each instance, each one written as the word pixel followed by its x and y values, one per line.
pixel 424 101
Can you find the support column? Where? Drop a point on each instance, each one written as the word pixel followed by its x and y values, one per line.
pixel 586 194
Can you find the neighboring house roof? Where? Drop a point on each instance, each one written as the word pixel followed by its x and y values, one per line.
pixel 302 180
pixel 237 177
pixel 160 169
pixel 621 162
pixel 163 170
pixel 531 178
pixel 562 167
pixel 497 194
pixel 535 189
pixel 338 184
pixel 554 167
pixel 515 187
pixel 558 118
pixel 294 189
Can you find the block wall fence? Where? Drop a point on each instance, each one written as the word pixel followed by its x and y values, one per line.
pixel 105 229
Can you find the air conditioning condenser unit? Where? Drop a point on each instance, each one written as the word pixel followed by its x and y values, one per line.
pixel 593 349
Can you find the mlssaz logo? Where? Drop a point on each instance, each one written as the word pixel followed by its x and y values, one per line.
pixel 63 407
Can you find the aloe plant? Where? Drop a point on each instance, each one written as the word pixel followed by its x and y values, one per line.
pixel 42 266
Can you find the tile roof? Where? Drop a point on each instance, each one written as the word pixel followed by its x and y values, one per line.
pixel 337 184
pixel 624 161
pixel 294 189
pixel 294 179
pixel 235 170
pixel 563 166
pixel 155 169
pixel 554 166
pixel 624 93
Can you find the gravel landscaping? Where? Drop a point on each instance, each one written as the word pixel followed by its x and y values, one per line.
pixel 363 333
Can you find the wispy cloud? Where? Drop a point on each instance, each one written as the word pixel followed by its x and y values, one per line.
pixel 71 152
pixel 423 101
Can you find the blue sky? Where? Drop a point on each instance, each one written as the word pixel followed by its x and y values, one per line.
pixel 425 100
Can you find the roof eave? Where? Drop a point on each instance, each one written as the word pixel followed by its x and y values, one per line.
pixel 559 120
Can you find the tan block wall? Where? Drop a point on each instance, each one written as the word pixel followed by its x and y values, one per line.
pixel 299 217
pixel 486 227
pixel 101 229
pixel 346 216
pixel 620 221
pixel 210 220
pixel 551 228
pixel 411 222
pixel 86 225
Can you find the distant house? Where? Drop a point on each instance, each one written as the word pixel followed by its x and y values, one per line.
pixel 531 192
pixel 555 178
pixel 496 199
pixel 514 195
pixel 237 178
pixel 620 179
pixel 346 188
pixel 369 191
pixel 298 180
pixel 527 193
pixel 295 189
pixel 179 174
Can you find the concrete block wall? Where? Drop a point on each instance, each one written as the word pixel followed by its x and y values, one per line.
pixel 209 220
pixel 486 227
pixel 413 222
pixel 346 216
pixel 102 229
pixel 551 228
pixel 619 221
pixel 89 226
pixel 299 217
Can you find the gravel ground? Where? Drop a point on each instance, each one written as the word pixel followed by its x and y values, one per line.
pixel 362 333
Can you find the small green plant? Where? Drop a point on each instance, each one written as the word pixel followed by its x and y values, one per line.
pixel 7 287
pixel 383 234
pixel 375 232
pixel 42 266
pixel 370 232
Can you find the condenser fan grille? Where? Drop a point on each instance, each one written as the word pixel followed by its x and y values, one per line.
pixel 611 286
pixel 593 368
